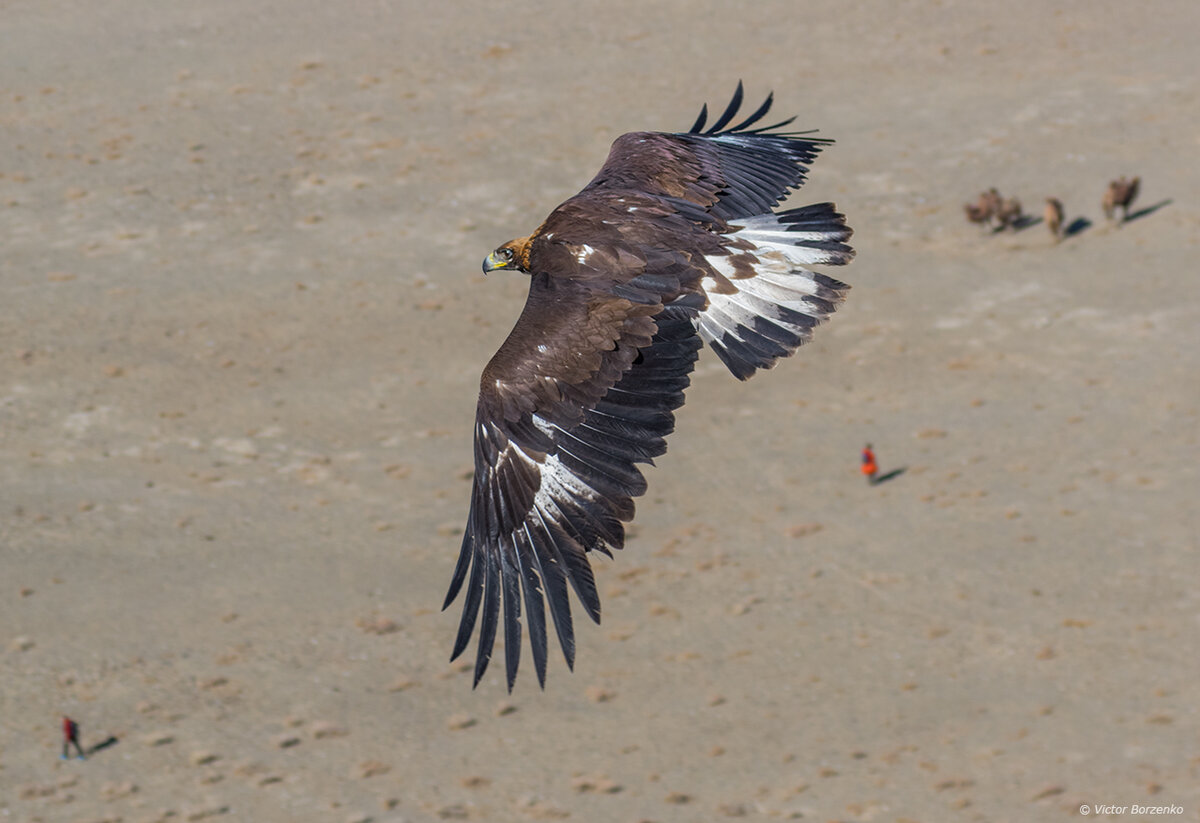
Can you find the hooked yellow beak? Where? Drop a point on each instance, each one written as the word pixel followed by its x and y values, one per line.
pixel 492 262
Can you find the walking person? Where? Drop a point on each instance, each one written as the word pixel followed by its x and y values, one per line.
pixel 869 467
pixel 70 731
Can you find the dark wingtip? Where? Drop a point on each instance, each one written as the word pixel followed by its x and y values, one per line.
pixel 721 126
pixel 730 111
pixel 759 113
pixel 481 664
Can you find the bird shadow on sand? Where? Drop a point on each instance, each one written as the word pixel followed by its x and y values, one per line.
pixel 1147 211
pixel 1020 224
pixel 102 745
pixel 1078 226
pixel 894 473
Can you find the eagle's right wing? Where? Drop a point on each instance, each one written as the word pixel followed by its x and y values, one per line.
pixel 582 390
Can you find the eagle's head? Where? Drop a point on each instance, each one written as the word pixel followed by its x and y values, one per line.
pixel 513 255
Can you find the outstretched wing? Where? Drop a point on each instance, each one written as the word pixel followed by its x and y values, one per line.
pixel 729 171
pixel 555 466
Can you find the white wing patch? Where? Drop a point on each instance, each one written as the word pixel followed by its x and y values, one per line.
pixel 769 235
pixel 559 484
pixel 775 297
pixel 771 313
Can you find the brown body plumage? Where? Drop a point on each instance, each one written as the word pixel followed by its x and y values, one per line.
pixel 976 213
pixel 1054 216
pixel 1120 194
pixel 1008 215
pixel 983 210
pixel 992 200
pixel 673 244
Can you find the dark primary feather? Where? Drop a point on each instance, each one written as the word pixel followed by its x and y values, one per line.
pixel 545 552
pixel 731 111
pixel 729 172
pixel 584 388
pixel 734 104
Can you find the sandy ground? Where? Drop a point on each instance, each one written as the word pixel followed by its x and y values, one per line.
pixel 242 325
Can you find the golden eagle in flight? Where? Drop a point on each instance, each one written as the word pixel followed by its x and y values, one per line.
pixel 673 244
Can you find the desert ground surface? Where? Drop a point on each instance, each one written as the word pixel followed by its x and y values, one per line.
pixel 242 321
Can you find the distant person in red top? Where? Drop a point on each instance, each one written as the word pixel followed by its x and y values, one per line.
pixel 71 735
pixel 869 468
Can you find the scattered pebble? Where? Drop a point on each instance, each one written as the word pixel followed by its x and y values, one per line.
pixel 599 694
pixel 323 730
pixel 745 605
pixel 592 784
pixel 113 791
pixel 804 529
pixel 1049 791
pixel 460 721
pixel 371 768
pixel 377 625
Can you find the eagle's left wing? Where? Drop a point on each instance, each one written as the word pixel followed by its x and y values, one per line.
pixel 730 171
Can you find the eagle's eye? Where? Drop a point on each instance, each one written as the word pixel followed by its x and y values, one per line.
pixel 506 253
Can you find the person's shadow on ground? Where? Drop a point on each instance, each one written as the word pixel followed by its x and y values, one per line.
pixel 102 745
pixel 883 478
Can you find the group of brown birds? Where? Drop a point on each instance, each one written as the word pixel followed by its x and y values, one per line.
pixel 1000 213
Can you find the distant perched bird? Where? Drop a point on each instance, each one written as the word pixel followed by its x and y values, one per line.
pixel 983 210
pixel 1009 213
pixel 978 213
pixel 1120 194
pixel 992 200
pixel 1054 216
pixel 672 244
